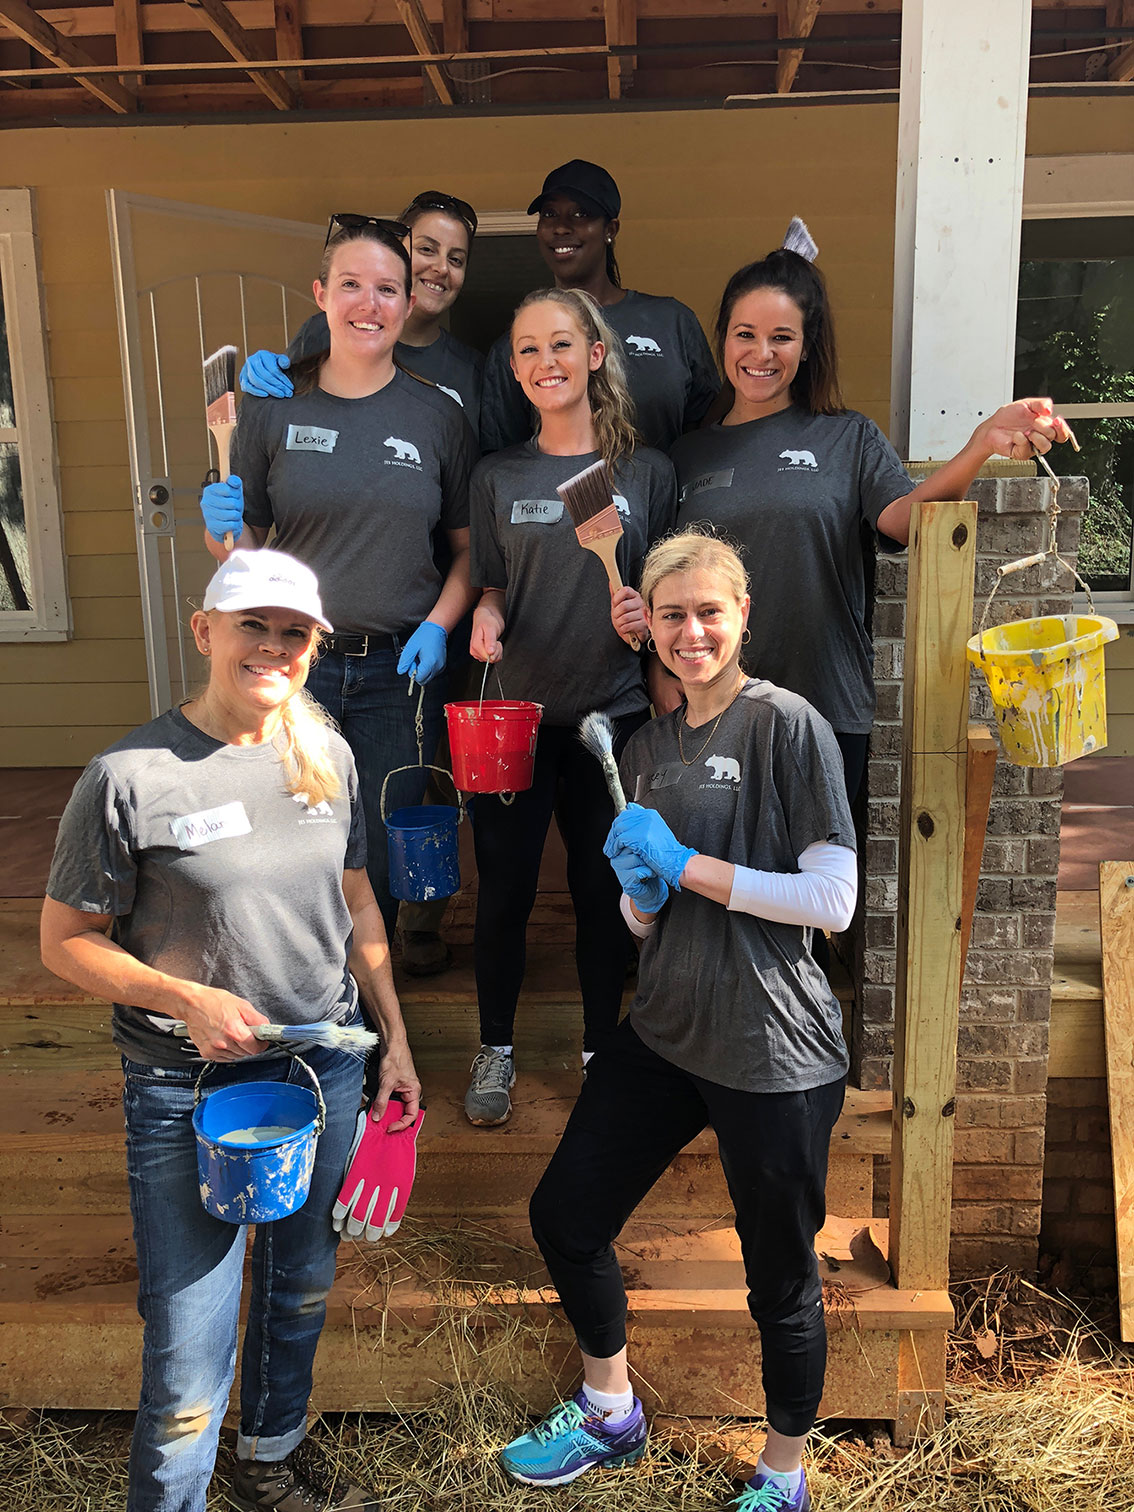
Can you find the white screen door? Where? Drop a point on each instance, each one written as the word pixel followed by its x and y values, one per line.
pixel 189 279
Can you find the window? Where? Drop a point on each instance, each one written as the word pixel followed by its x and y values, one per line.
pixel 33 598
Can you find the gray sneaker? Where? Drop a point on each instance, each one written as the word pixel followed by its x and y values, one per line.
pixel 493 1075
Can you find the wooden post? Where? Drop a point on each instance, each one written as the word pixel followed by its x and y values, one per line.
pixel 930 889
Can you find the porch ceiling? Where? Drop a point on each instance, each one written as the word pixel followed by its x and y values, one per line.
pixel 159 59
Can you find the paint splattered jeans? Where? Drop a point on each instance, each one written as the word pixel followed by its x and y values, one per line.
pixel 190 1269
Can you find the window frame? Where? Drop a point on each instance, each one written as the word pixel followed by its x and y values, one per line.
pixel 1085 186
pixel 49 618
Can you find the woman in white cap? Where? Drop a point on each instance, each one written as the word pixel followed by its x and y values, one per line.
pixel 209 869
pixel 669 367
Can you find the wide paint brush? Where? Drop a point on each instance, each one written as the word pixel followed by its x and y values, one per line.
pixel 589 498
pixel 220 410
pixel 350 1038
pixel 597 734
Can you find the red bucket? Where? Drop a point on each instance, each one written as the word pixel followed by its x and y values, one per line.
pixel 493 743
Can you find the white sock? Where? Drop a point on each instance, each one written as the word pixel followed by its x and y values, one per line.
pixel 501 1049
pixel 587 1057
pixel 611 1406
pixel 788 1480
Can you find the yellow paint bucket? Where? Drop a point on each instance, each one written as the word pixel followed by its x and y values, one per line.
pixel 1048 685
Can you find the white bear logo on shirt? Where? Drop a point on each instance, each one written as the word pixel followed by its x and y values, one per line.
pixel 643 346
pixel 404 451
pixel 322 808
pixel 452 393
pixel 799 459
pixel 622 505
pixel 724 768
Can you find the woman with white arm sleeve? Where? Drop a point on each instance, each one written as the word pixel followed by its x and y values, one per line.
pixel 738 844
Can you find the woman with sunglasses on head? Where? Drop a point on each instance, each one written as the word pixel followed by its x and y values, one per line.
pixel 669 367
pixel 440 230
pixel 544 616
pixel 356 473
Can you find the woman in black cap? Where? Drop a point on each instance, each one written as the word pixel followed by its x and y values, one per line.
pixel 670 369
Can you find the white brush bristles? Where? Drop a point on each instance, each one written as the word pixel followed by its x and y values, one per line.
pixel 597 734
pixel 799 239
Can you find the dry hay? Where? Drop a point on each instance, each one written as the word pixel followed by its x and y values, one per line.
pixel 1041 1422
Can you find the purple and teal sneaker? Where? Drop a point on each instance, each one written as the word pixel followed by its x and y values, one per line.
pixel 572 1440
pixel 763 1493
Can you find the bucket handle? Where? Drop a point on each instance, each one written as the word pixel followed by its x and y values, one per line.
pixel 499 685
pixel 1051 550
pixel 320 1122
pixel 418 766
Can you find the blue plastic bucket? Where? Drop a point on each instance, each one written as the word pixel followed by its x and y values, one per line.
pixel 256 1182
pixel 424 860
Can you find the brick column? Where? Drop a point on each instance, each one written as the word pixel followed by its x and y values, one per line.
pixel 1006 997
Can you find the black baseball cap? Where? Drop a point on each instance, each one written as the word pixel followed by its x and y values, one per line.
pixel 590 185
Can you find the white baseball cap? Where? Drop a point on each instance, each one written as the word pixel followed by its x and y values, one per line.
pixel 266 579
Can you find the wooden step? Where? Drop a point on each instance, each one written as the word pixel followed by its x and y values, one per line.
pixel 405 1317
pixel 62 1146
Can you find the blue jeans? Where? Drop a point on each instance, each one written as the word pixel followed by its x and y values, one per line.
pixel 190 1269
pixel 373 708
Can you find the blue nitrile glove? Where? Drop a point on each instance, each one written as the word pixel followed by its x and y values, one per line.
pixel 263 378
pixel 641 885
pixel 222 505
pixel 423 655
pixel 645 832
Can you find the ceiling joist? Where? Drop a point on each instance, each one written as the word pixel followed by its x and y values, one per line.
pixel 796 18
pixel 414 20
pixel 1120 14
pixel 289 34
pixel 242 49
pixel 128 38
pixel 64 53
pixel 621 31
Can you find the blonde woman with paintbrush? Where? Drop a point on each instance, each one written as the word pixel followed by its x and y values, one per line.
pixel 210 869
pixel 545 618
pixel 736 847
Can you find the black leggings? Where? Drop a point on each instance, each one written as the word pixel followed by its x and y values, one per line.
pixel 509 840
pixel 635 1113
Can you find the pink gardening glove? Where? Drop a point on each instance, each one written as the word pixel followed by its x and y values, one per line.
pixel 379 1176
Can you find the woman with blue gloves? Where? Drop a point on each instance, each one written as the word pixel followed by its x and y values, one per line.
pixel 737 846
pixel 356 472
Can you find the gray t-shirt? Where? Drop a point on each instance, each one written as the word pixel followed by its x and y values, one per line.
pixel 801 495
pixel 213 872
pixel 727 996
pixel 454 366
pixel 356 488
pixel 560 648
pixel 669 369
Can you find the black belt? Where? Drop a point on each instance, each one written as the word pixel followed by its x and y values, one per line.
pixel 359 645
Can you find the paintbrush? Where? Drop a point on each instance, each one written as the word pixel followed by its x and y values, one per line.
pixel 589 498
pixel 597 734
pixel 346 1037
pixel 220 409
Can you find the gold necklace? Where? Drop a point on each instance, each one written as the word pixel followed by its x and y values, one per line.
pixel 689 760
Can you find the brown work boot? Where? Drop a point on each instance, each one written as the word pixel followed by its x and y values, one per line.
pixel 424 953
pixel 292 1485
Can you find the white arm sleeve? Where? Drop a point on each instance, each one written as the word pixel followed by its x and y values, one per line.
pixel 635 925
pixel 821 895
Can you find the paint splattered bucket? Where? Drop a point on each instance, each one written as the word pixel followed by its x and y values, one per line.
pixel 248 1180
pixel 1048 686
pixel 493 742
pixel 422 844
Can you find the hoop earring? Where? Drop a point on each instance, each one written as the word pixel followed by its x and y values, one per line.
pixel 746 637
pixel 650 646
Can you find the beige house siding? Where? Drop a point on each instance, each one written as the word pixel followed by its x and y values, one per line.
pixel 703 192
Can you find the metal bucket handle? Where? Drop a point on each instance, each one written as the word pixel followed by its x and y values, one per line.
pixel 321 1120
pixel 421 766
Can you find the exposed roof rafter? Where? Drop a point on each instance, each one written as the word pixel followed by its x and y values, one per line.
pixel 621 31
pixel 414 19
pixel 240 46
pixel 796 18
pixel 64 53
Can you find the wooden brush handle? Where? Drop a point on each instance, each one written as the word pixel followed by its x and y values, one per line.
pixel 222 436
pixel 604 548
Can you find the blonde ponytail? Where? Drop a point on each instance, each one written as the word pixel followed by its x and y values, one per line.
pixel 306 751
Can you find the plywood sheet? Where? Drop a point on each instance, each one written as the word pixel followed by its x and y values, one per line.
pixel 1116 912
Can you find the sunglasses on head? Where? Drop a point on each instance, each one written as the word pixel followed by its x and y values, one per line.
pixel 448 204
pixel 345 222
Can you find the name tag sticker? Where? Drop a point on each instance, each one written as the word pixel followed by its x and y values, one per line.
pixel 311 438
pixel 721 479
pixel 194 830
pixel 537 511
pixel 664 777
